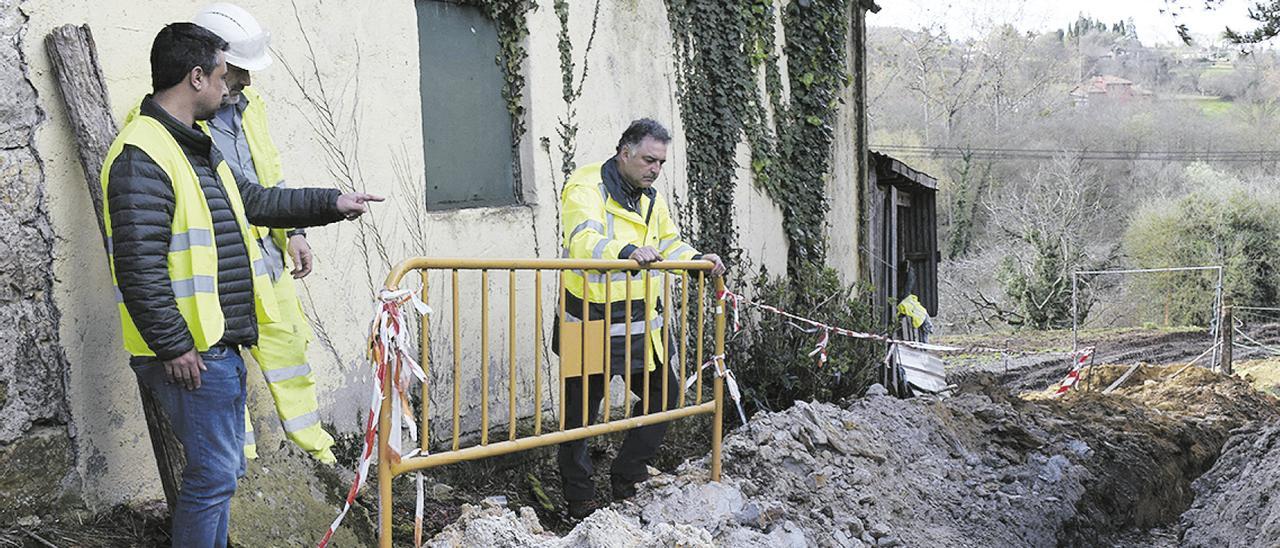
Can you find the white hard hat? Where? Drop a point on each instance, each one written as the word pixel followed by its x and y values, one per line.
pixel 248 41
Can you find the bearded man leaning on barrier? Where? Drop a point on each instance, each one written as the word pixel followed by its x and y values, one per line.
pixel 610 210
pixel 190 280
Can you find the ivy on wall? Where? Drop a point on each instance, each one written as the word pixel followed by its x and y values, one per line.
pixel 568 128
pixel 721 45
pixel 817 33
pixel 717 95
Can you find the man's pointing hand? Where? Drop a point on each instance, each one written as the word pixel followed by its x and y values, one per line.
pixel 355 204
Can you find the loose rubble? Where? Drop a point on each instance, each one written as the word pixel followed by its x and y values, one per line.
pixel 982 468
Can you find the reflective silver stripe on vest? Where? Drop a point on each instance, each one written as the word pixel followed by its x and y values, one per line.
pixel 618 276
pixel 190 286
pixel 286 373
pixel 298 423
pixel 248 438
pixel 111 247
pixel 183 241
pixel 664 244
pixel 272 258
pixel 618 329
pixel 260 268
pixel 609 218
pixel 683 248
pixel 564 253
pixel 598 252
pixel 589 223
pixel 119 295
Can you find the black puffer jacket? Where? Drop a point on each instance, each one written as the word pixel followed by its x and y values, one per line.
pixel 141 202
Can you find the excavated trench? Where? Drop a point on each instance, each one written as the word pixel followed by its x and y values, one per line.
pixel 998 463
pixel 985 467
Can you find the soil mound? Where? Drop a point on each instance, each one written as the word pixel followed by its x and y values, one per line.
pixel 982 468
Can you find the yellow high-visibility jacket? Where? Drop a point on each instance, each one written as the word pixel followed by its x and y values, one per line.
pixel 595 226
pixel 193 256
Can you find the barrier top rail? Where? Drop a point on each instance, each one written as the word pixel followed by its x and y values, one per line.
pixel 398 273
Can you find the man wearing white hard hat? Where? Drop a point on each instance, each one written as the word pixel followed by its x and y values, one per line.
pixel 239 130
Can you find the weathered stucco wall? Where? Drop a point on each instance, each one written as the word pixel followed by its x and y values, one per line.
pixel 36 452
pixel 363 64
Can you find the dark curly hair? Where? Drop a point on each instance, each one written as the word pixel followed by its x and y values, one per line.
pixel 639 129
pixel 179 48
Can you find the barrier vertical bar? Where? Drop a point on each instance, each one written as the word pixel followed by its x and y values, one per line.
pixel 647 346
pixel 484 357
pixel 425 359
pixel 537 353
pixel 561 326
pixel 717 424
pixel 684 333
pixel 702 321
pixel 608 345
pixel 384 465
pixel 666 337
pixel 626 394
pixel 511 355
pixel 457 365
pixel 586 316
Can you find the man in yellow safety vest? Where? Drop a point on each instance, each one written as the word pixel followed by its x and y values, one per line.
pixel 610 210
pixel 190 280
pixel 239 130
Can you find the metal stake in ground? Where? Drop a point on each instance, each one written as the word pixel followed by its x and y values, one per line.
pixel 1227 327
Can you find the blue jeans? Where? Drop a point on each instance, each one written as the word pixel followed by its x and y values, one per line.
pixel 209 421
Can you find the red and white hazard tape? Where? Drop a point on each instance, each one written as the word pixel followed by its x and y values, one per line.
pixel 734 300
pixel 730 382
pixel 391 355
pixel 1082 357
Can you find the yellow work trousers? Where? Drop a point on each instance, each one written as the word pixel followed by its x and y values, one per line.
pixel 281 354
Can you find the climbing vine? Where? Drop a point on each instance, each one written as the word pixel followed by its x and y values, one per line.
pixel 717 93
pixel 816 36
pixel 721 47
pixel 568 128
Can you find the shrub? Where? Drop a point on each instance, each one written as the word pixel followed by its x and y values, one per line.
pixel 770 359
pixel 1221 221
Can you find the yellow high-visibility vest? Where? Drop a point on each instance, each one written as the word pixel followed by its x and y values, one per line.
pixel 595 226
pixel 266 157
pixel 193 255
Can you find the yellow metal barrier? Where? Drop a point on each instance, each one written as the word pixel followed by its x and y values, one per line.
pixel 574 362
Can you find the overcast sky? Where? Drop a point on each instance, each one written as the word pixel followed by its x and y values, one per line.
pixel 962 18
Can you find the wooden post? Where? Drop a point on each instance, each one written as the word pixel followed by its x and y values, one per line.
pixel 1227 327
pixel 84 92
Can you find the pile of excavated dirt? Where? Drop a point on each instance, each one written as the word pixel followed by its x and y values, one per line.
pixel 983 468
pixel 1236 502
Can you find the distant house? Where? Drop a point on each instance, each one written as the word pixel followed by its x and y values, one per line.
pixel 1109 88
pixel 902 236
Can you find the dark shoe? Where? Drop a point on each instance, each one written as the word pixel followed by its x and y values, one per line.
pixel 622 489
pixel 579 509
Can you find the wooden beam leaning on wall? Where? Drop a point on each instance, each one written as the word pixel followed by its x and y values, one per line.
pixel 84 92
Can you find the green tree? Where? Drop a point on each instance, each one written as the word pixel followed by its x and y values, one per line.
pixel 1222 220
